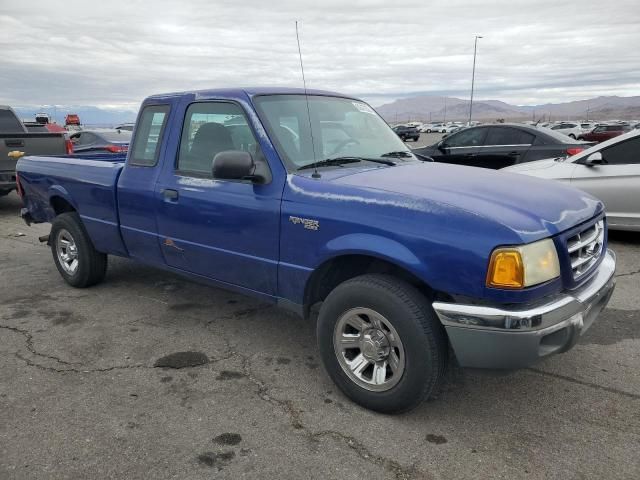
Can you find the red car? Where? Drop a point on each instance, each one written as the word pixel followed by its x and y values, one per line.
pixel 72 119
pixel 604 132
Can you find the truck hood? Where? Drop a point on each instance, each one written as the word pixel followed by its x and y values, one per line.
pixel 530 207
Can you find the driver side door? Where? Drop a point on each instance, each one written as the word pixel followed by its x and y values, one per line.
pixel 225 230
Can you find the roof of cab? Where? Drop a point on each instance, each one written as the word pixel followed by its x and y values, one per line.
pixel 247 91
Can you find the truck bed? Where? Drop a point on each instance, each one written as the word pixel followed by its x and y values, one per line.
pixel 86 183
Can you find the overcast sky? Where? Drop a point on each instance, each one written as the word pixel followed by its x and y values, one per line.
pixel 114 53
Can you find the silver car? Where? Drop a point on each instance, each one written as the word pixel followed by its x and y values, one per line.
pixel 609 171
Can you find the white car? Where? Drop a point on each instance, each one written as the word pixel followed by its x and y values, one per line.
pixel 570 129
pixel 609 171
pixel 449 128
pixel 432 127
pixel 588 126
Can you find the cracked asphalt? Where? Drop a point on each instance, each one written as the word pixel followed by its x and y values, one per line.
pixel 151 376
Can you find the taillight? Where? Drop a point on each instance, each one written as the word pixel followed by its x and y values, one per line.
pixel 18 186
pixel 574 150
pixel 117 148
pixel 69 146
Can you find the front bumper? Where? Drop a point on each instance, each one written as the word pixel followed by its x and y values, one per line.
pixel 510 338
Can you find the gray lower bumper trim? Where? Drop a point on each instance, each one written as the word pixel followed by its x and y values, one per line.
pixel 493 337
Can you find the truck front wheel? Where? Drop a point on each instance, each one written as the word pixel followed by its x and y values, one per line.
pixel 73 252
pixel 381 343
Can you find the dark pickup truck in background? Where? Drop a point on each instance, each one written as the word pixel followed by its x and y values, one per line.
pixel 16 141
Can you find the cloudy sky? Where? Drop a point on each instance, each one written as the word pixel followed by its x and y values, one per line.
pixel 114 53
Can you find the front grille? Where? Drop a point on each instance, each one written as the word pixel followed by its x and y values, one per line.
pixel 585 248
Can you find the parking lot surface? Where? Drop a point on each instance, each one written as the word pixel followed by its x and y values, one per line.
pixel 148 375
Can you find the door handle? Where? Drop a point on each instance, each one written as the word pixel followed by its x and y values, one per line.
pixel 469 154
pixel 513 154
pixel 170 195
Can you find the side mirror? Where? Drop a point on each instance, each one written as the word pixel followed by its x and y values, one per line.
pixel 424 158
pixel 234 165
pixel 594 159
pixel 442 146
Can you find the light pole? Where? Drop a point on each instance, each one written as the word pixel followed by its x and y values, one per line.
pixel 473 75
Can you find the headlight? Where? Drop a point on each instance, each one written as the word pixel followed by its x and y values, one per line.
pixel 524 266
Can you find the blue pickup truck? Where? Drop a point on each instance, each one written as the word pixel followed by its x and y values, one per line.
pixel 310 201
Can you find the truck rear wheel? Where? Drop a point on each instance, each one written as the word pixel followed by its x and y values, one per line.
pixel 73 252
pixel 381 343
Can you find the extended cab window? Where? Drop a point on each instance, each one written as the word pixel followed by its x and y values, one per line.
pixel 148 139
pixel 211 128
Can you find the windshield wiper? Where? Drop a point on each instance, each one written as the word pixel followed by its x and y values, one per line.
pixel 337 161
pixel 397 154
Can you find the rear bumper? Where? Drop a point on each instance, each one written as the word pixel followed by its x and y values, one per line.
pixel 7 180
pixel 510 338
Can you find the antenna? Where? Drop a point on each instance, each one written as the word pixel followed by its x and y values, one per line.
pixel 306 97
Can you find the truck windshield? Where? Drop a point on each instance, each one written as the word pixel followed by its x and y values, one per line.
pixel 340 127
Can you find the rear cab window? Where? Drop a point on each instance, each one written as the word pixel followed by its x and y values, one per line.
pixel 148 137
pixel 9 123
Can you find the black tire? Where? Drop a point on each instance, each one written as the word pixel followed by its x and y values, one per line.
pixel 571 135
pixel 5 192
pixel 91 264
pixel 422 336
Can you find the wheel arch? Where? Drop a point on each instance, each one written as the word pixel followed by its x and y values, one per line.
pixel 345 266
pixel 60 201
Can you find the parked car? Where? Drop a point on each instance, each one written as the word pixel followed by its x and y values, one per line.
pixel 609 171
pixel 406 132
pixel 42 117
pixel 16 140
pixel 499 145
pixel 72 119
pixel 101 141
pixel 432 127
pixel 404 259
pixel 451 128
pixel 604 132
pixel 587 126
pixel 572 130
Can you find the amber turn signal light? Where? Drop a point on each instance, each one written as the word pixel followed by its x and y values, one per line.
pixel 506 269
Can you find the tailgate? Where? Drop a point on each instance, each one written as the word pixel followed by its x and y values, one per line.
pixel 30 144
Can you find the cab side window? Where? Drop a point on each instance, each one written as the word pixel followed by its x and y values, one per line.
pixel 210 128
pixel 148 137
pixel 623 153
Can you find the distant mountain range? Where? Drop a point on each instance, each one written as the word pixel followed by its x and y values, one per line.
pixel 425 108
pixel 421 108
pixel 94 116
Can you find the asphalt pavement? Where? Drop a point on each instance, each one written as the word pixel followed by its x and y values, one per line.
pixel 150 376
